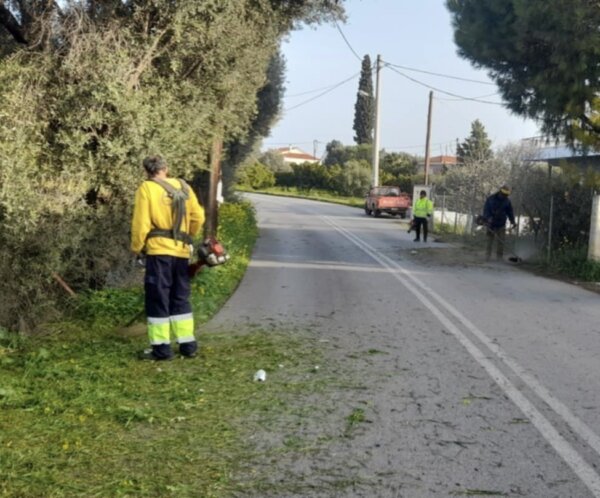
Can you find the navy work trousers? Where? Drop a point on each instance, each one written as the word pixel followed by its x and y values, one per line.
pixel 168 309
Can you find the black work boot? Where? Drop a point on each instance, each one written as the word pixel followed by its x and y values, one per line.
pixel 188 349
pixel 159 352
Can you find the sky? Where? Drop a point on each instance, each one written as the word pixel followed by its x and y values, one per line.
pixel 414 34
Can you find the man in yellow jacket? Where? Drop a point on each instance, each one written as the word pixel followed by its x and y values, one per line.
pixel 166 216
pixel 422 211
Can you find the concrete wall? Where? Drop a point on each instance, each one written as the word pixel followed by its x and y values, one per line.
pixel 594 247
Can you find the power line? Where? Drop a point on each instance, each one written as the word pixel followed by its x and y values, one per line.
pixel 288 143
pixel 309 91
pixel 421 146
pixel 441 75
pixel 347 42
pixel 459 97
pixel 323 93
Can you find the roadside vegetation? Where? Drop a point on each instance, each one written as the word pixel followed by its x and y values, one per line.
pixel 313 194
pixel 574 264
pixel 344 172
pixel 87 90
pixel 81 416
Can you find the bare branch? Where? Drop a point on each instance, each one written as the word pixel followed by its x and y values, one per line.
pixel 11 24
pixel 146 60
pixel 191 69
pixel 590 124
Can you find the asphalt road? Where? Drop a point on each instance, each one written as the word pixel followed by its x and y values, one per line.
pixel 486 378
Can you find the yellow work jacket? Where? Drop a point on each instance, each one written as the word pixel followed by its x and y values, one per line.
pixel 153 210
pixel 422 208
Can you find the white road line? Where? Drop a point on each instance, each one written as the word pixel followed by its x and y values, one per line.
pixel 571 457
pixel 309 265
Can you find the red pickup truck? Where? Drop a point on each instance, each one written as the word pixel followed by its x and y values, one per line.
pixel 389 200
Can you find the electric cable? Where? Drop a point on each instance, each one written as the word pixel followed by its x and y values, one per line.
pixel 441 75
pixel 323 93
pixel 310 91
pixel 440 99
pixel 459 97
pixel 347 42
pixel 288 143
pixel 402 147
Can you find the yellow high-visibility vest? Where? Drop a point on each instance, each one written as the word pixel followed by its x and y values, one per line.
pixel 422 207
pixel 153 209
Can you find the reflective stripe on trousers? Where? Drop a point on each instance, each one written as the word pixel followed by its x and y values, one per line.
pixel 181 326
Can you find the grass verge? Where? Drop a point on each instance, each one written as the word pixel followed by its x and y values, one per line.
pixel 83 418
pixel 315 195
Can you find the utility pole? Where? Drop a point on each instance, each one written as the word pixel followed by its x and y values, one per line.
pixel 376 127
pixel 428 139
pixel 315 142
pixel 550 214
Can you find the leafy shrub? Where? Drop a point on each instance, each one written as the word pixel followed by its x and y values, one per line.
pixel 352 180
pixel 308 176
pixel 256 176
pixel 100 88
pixel 285 179
pixel 574 263
pixel 111 306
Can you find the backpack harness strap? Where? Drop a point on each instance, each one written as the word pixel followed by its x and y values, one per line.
pixel 178 198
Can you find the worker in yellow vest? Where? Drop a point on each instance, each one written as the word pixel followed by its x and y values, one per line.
pixel 422 211
pixel 166 216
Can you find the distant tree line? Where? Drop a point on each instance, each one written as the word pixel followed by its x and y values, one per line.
pixel 346 170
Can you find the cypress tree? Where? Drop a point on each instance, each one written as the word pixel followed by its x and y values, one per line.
pixel 364 109
pixel 477 146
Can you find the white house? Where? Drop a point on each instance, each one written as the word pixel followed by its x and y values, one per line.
pixel 293 155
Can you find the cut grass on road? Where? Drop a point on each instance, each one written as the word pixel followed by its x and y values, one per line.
pixel 84 418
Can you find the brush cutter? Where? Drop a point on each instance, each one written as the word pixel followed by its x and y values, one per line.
pixel 210 253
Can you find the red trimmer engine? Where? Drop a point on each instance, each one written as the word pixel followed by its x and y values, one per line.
pixel 210 253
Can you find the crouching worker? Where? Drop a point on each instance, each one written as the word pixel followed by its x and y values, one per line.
pixel 166 216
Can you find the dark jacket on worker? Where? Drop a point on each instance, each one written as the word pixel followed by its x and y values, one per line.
pixel 497 209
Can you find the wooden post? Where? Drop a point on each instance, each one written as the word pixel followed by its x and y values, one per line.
pixel 594 245
pixel 550 214
pixel 428 139
pixel 375 157
pixel 443 207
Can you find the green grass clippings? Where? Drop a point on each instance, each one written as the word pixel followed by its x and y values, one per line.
pixel 85 418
